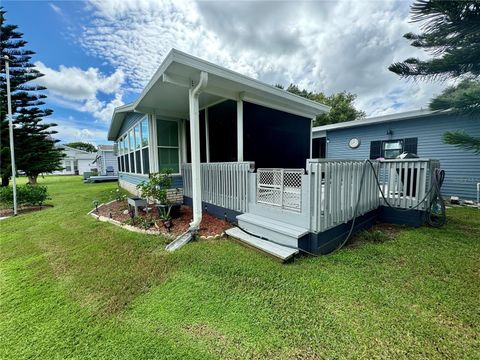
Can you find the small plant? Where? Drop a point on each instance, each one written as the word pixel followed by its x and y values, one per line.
pixel 118 194
pixel 156 187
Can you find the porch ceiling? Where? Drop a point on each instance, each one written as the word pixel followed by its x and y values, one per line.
pixel 167 92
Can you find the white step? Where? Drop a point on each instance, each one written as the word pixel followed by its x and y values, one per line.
pixel 275 230
pixel 279 251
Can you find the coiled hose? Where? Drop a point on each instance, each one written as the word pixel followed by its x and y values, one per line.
pixel 436 216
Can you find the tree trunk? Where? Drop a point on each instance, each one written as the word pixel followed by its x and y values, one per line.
pixel 32 179
pixel 5 180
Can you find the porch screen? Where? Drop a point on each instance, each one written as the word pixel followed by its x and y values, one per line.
pixel 168 149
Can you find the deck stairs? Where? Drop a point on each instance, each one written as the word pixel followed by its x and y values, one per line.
pixel 272 235
pixel 281 252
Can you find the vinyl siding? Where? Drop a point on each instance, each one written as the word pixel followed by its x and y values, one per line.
pixel 134 179
pixel 462 167
pixel 110 160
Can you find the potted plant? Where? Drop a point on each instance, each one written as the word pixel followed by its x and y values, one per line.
pixel 156 189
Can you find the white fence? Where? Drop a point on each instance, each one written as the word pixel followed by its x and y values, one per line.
pixel 223 184
pixel 405 183
pixel 280 188
pixel 335 187
pixel 335 190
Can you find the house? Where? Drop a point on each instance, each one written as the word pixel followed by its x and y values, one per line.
pixel 106 160
pixel 76 161
pixel 418 132
pixel 242 150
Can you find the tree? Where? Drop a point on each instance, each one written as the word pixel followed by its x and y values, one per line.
pixel 451 34
pixel 82 146
pixel 35 150
pixel 342 108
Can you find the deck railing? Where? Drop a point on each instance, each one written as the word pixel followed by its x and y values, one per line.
pixel 223 184
pixel 280 188
pixel 335 187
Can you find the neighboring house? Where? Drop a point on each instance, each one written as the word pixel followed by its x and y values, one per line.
pixel 106 160
pixel 419 132
pixel 241 149
pixel 75 161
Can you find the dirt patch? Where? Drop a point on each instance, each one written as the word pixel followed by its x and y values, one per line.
pixel 378 233
pixel 118 210
pixel 23 210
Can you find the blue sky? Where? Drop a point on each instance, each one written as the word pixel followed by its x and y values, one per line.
pixel 98 54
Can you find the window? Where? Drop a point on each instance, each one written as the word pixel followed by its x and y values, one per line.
pixel 133 151
pixel 144 146
pixel 391 149
pixel 168 149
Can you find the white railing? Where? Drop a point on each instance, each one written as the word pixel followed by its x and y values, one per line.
pixel 223 184
pixel 280 188
pixel 406 183
pixel 335 187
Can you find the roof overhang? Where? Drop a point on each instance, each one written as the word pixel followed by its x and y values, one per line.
pixel 167 92
pixel 320 131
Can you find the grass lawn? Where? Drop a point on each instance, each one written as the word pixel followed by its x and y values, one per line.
pixel 73 287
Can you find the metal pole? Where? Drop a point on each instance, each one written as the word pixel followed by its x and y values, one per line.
pixel 10 132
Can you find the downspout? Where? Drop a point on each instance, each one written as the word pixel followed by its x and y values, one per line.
pixel 193 95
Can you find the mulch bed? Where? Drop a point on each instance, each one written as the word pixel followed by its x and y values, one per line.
pixel 23 210
pixel 210 225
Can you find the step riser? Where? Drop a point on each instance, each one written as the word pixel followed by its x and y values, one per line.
pixel 268 234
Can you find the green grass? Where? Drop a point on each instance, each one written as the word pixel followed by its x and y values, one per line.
pixel 73 287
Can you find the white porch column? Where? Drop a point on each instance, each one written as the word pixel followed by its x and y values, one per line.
pixel 183 131
pixel 207 137
pixel 239 130
pixel 193 95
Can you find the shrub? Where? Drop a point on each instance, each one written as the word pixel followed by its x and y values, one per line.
pixel 157 185
pixel 26 195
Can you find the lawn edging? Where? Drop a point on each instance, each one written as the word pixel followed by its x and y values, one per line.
pixel 137 230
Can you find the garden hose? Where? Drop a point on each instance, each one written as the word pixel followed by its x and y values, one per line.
pixel 435 213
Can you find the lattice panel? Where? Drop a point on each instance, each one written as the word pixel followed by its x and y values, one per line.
pixel 280 187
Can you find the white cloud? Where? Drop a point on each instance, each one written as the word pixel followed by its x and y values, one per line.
pixel 327 46
pixel 56 8
pixel 78 89
pixel 70 130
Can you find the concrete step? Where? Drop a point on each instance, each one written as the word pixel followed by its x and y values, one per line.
pixel 278 251
pixel 275 230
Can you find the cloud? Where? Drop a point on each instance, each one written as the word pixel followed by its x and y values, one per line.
pixel 70 130
pixel 56 8
pixel 78 89
pixel 324 46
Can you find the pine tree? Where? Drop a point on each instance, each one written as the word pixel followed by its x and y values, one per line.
pixel 35 150
pixel 451 33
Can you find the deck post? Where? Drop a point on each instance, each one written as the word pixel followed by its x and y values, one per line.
pixel 240 130
pixel 207 137
pixel 193 95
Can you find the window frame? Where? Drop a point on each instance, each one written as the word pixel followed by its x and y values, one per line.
pixel 129 139
pixel 178 147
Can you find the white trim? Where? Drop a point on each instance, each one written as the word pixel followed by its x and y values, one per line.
pixel 178 147
pixel 184 140
pixel 422 113
pixel 207 136
pixel 239 130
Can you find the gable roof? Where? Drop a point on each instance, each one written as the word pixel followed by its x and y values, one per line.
pixel 415 114
pixel 166 94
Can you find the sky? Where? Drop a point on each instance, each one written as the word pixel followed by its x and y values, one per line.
pixel 99 54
